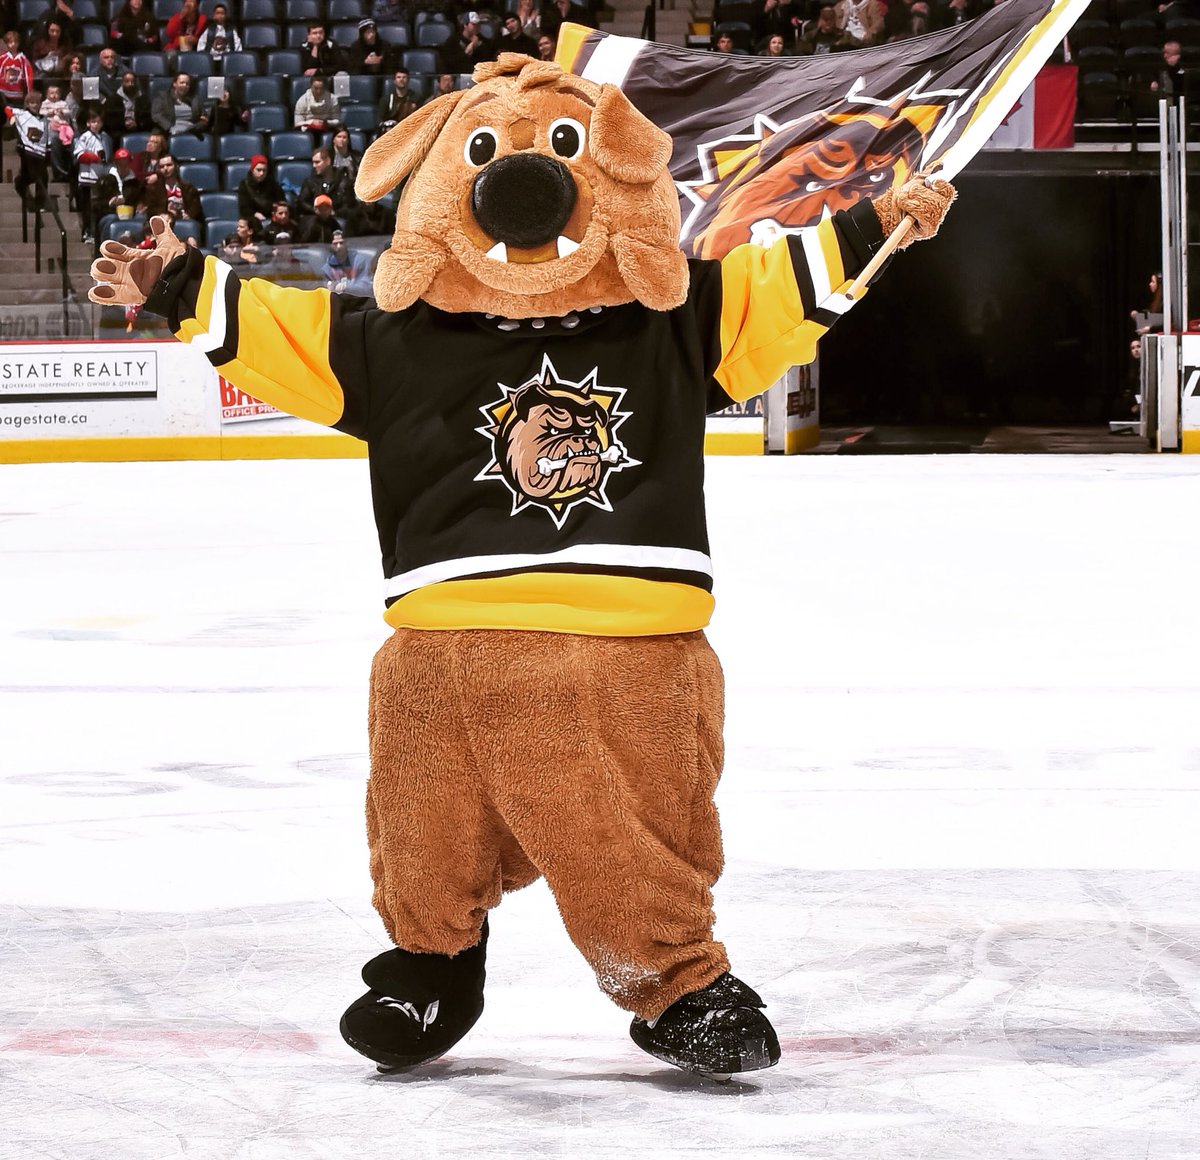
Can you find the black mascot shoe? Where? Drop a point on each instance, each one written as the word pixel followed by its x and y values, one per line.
pixel 419 1006
pixel 717 1031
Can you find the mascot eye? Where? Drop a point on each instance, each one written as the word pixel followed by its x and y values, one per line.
pixel 877 177
pixel 567 137
pixel 481 147
pixel 554 431
pixel 814 187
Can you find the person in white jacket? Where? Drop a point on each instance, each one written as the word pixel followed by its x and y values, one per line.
pixel 219 37
pixel 318 109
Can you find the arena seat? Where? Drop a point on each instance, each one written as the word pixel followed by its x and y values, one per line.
pixel 195 64
pixel 1087 33
pixel 395 35
pixel 202 174
pixel 350 10
pixel 239 64
pixel 1100 96
pixel 163 9
pixel 135 142
pixel 283 62
pixel 364 90
pixel 266 90
pixel 421 60
pixel 433 33
pixel 289 146
pixel 360 117
pixel 261 36
pixel 302 10
pixel 188 147
pixel 232 174
pixel 239 146
pixel 270 119
pixel 116 227
pixel 93 35
pixel 344 35
pixel 295 35
pixel 216 230
pixel 292 174
pixel 148 64
pixel 1139 31
pixel 253 10
pixel 188 228
pixel 219 205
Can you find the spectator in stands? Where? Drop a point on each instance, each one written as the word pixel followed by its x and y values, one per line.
pixel 129 110
pixel 258 192
pixel 777 18
pixel 178 109
pixel 347 271
pixel 219 37
pixel 135 29
pixel 514 39
pixel 109 72
pixel 317 109
pixel 319 227
pixel 343 154
pixel 145 164
pixel 280 230
pixel 1172 76
pixel 61 118
pixel 462 53
pixel 397 103
pixel 368 55
pixel 225 115
pixel 774 46
pixel 446 83
pixel 171 195
pixel 33 147
pixel 547 46
pixel 243 244
pixel 823 35
pixel 560 12
pixel 954 12
pixel 530 16
pixel 16 71
pixel 49 51
pixel 318 55
pixel 917 21
pixel 325 181
pixel 64 12
pixel 184 28
pixel 723 43
pixel 93 153
pixel 119 186
pixel 861 19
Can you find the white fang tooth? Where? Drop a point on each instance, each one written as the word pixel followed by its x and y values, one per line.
pixel 826 213
pixel 498 253
pixel 566 246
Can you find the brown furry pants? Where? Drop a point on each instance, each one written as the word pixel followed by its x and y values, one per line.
pixel 500 756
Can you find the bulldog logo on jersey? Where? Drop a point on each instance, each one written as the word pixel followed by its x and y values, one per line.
pixel 554 441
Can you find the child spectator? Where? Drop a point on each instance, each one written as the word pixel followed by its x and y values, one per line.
pixel 219 38
pixel 259 192
pixel 16 71
pixel 93 151
pixel 347 271
pixel 171 195
pixel 61 118
pixel 135 29
pixel 185 27
pixel 317 55
pixel 317 109
pixel 33 145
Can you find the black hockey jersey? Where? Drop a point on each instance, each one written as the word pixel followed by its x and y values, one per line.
pixel 536 474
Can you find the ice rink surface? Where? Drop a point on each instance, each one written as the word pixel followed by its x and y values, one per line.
pixel 961 813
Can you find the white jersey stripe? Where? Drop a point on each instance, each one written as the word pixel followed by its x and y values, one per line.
pixel 612 59
pixel 219 321
pixel 817 269
pixel 611 555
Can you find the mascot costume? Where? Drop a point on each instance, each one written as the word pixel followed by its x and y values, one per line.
pixel 532 382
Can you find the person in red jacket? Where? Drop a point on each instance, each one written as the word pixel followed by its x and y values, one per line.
pixel 16 70
pixel 184 28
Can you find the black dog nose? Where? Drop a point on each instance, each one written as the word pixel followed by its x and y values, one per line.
pixel 523 199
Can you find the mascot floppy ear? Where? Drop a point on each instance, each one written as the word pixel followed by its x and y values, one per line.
pixel 413 260
pixel 400 150
pixel 627 146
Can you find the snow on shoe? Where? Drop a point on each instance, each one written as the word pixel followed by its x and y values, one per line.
pixel 718 1030
pixel 418 1006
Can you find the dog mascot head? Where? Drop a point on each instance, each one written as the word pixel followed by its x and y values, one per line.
pixel 532 194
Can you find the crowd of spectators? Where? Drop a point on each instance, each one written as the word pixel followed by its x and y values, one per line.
pixel 185 107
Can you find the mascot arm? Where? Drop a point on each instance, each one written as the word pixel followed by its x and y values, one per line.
pixel 270 341
pixel 777 302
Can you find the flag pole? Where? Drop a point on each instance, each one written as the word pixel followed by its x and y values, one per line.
pixel 859 285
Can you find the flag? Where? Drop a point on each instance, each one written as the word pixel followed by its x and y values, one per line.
pixel 769 146
pixel 1044 115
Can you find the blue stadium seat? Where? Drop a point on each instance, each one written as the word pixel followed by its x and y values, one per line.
pixel 148 64
pixel 433 33
pixel 29 10
pixel 93 35
pixel 394 34
pixel 301 10
pixel 270 119
pixel 259 10
pixel 261 36
pixel 284 62
pixel 187 228
pixel 295 35
pixel 263 90
pixel 421 60
pixel 364 90
pixel 195 64
pixel 234 172
pixel 239 64
pixel 238 146
pixel 83 10
pixel 186 147
pixel 351 10
pixel 296 86
pixel 343 35
pixel 360 117
pixel 426 16
pixel 202 174
pixel 290 146
pixel 159 85
pixel 135 142
pixel 291 175
pixel 114 228
pixel 219 205
pixel 163 9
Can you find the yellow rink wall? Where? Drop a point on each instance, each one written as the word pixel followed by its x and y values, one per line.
pixel 157 400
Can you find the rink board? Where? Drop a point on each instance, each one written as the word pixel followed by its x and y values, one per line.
pixel 162 400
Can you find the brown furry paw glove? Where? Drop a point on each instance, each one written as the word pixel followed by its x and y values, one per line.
pixel 926 202
pixel 125 276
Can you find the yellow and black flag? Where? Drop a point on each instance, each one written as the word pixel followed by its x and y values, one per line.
pixel 769 146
